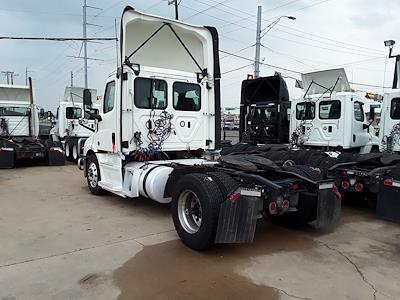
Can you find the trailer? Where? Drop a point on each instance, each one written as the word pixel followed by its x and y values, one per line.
pixel 19 129
pixel 158 137
pixel 72 127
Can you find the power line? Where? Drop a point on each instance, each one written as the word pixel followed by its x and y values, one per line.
pixel 236 69
pixel 57 39
pixel 261 63
pixel 207 9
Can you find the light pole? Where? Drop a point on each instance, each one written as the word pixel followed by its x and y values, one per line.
pixel 260 34
pixel 396 77
pixel 176 8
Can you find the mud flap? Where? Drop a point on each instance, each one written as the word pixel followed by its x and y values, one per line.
pixel 329 206
pixel 238 219
pixel 56 157
pixel 6 158
pixel 388 204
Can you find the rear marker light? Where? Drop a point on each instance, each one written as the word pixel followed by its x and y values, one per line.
pixel 388 182
pixel 235 197
pixel 317 171
pixel 295 186
pixel 273 208
pixel 345 185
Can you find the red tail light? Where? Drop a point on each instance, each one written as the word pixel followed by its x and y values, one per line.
pixel 345 185
pixel 235 197
pixel 273 208
pixel 388 182
pixel 285 204
pixel 359 187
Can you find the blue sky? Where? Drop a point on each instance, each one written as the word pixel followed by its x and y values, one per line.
pixel 327 33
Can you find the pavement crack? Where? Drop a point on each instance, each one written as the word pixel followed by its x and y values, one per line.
pixel 291 295
pixel 363 277
pixel 81 249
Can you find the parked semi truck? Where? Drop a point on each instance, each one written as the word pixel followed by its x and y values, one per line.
pixel 70 129
pixel 158 136
pixel 264 111
pixel 340 132
pixel 19 129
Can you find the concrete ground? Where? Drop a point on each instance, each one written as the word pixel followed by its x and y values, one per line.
pixel 57 241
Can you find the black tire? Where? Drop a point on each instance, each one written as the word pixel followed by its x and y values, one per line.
pixel 226 184
pixel 90 171
pixel 206 191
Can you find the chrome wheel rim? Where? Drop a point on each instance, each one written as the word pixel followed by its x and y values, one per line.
pixel 67 150
pixel 74 152
pixel 92 175
pixel 189 211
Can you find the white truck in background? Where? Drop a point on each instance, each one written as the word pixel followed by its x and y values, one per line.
pixel 69 128
pixel 19 129
pixel 331 116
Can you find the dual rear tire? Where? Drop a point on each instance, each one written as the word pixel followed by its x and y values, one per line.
pixel 195 207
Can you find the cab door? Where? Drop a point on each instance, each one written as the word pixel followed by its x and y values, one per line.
pixel 190 110
pixel 360 136
pixel 107 127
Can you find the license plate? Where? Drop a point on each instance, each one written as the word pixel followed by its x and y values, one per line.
pixel 325 186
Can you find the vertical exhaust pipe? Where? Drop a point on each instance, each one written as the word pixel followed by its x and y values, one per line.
pixel 31 120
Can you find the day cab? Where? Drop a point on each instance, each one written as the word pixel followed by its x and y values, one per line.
pixel 331 116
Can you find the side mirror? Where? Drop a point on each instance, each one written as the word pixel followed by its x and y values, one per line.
pixel 372 114
pixel 87 98
pixel 41 113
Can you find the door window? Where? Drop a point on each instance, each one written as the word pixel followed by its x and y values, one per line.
pixel 395 109
pixel 73 113
pixel 187 96
pixel 109 97
pixel 150 93
pixel 330 110
pixel 14 111
pixel 358 111
pixel 305 111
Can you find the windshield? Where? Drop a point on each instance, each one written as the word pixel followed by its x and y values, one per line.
pixel 14 111
pixel 264 114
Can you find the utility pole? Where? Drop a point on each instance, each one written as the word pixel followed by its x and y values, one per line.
pixel 72 79
pixel 85 24
pixel 10 76
pixel 176 8
pixel 258 44
pixel 85 44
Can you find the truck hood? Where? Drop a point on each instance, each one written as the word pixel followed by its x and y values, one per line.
pixel 319 82
pixel 169 44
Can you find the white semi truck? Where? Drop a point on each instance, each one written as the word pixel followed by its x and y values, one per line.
pixel 331 116
pixel 19 129
pixel 158 134
pixel 69 128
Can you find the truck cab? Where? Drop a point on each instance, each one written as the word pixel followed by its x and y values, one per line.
pixel 390 122
pixel 69 128
pixel 19 129
pixel 264 111
pixel 331 116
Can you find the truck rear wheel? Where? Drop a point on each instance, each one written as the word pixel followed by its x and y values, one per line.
pixel 195 210
pixel 68 154
pixel 93 175
pixel 75 152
